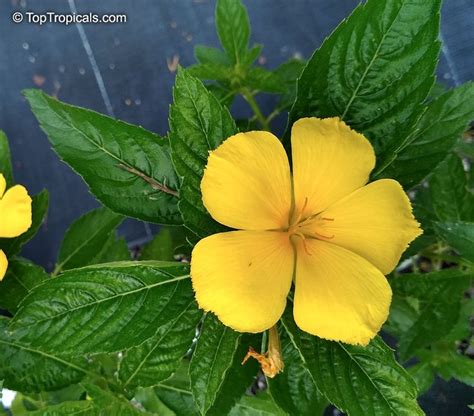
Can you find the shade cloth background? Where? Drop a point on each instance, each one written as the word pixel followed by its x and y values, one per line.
pixel 126 74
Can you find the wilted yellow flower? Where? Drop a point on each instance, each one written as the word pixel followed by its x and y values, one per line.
pixel 271 362
pixel 321 227
pixel 15 215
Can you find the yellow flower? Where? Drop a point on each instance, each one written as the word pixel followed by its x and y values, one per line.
pixel 15 215
pixel 322 228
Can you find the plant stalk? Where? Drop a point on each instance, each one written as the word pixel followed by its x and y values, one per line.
pixel 255 108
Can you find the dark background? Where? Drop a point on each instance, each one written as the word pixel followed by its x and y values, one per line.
pixel 126 70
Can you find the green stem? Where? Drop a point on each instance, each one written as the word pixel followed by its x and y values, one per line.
pixel 255 108
pixel 263 346
pixel 272 115
pixel 57 269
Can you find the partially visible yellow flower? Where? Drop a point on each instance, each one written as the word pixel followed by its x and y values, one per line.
pixel 322 228
pixel 15 215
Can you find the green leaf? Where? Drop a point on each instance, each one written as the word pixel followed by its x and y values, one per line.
pixel 150 401
pixel 5 159
pixel 208 55
pixel 114 249
pixel 126 167
pixel 403 313
pixel 165 244
pixel 232 80
pixel 438 89
pixel 214 72
pixel 358 380
pixel 78 407
pixel 261 404
pixel 160 248
pixel 424 213
pixel 198 124
pixel 454 365
pixel 103 308
pixel 257 79
pixel 448 362
pixel 289 73
pixel 462 328
pixel 233 29
pixel 21 277
pixel 39 207
pixel 224 95
pixel 85 238
pixel 244 124
pixel 374 71
pixel 72 392
pixel 27 369
pixel 459 235
pixel 293 389
pixel 158 357
pixel 218 379
pixel 423 374
pixel 260 79
pixel 451 198
pixel 22 404
pixel 176 394
pixel 434 135
pixel 423 209
pixel 107 403
pixel 433 301
pixel 252 54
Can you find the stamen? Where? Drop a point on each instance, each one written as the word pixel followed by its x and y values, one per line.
pixel 298 218
pixel 305 204
pixel 303 238
pixel 305 246
pixel 325 237
pixel 302 228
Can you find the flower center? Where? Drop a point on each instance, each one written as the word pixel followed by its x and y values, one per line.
pixel 309 227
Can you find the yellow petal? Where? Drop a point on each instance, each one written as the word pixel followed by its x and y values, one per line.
pixel 15 212
pixel 329 162
pixel 375 222
pixel 3 185
pixel 338 295
pixel 3 264
pixel 247 183
pixel 243 277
